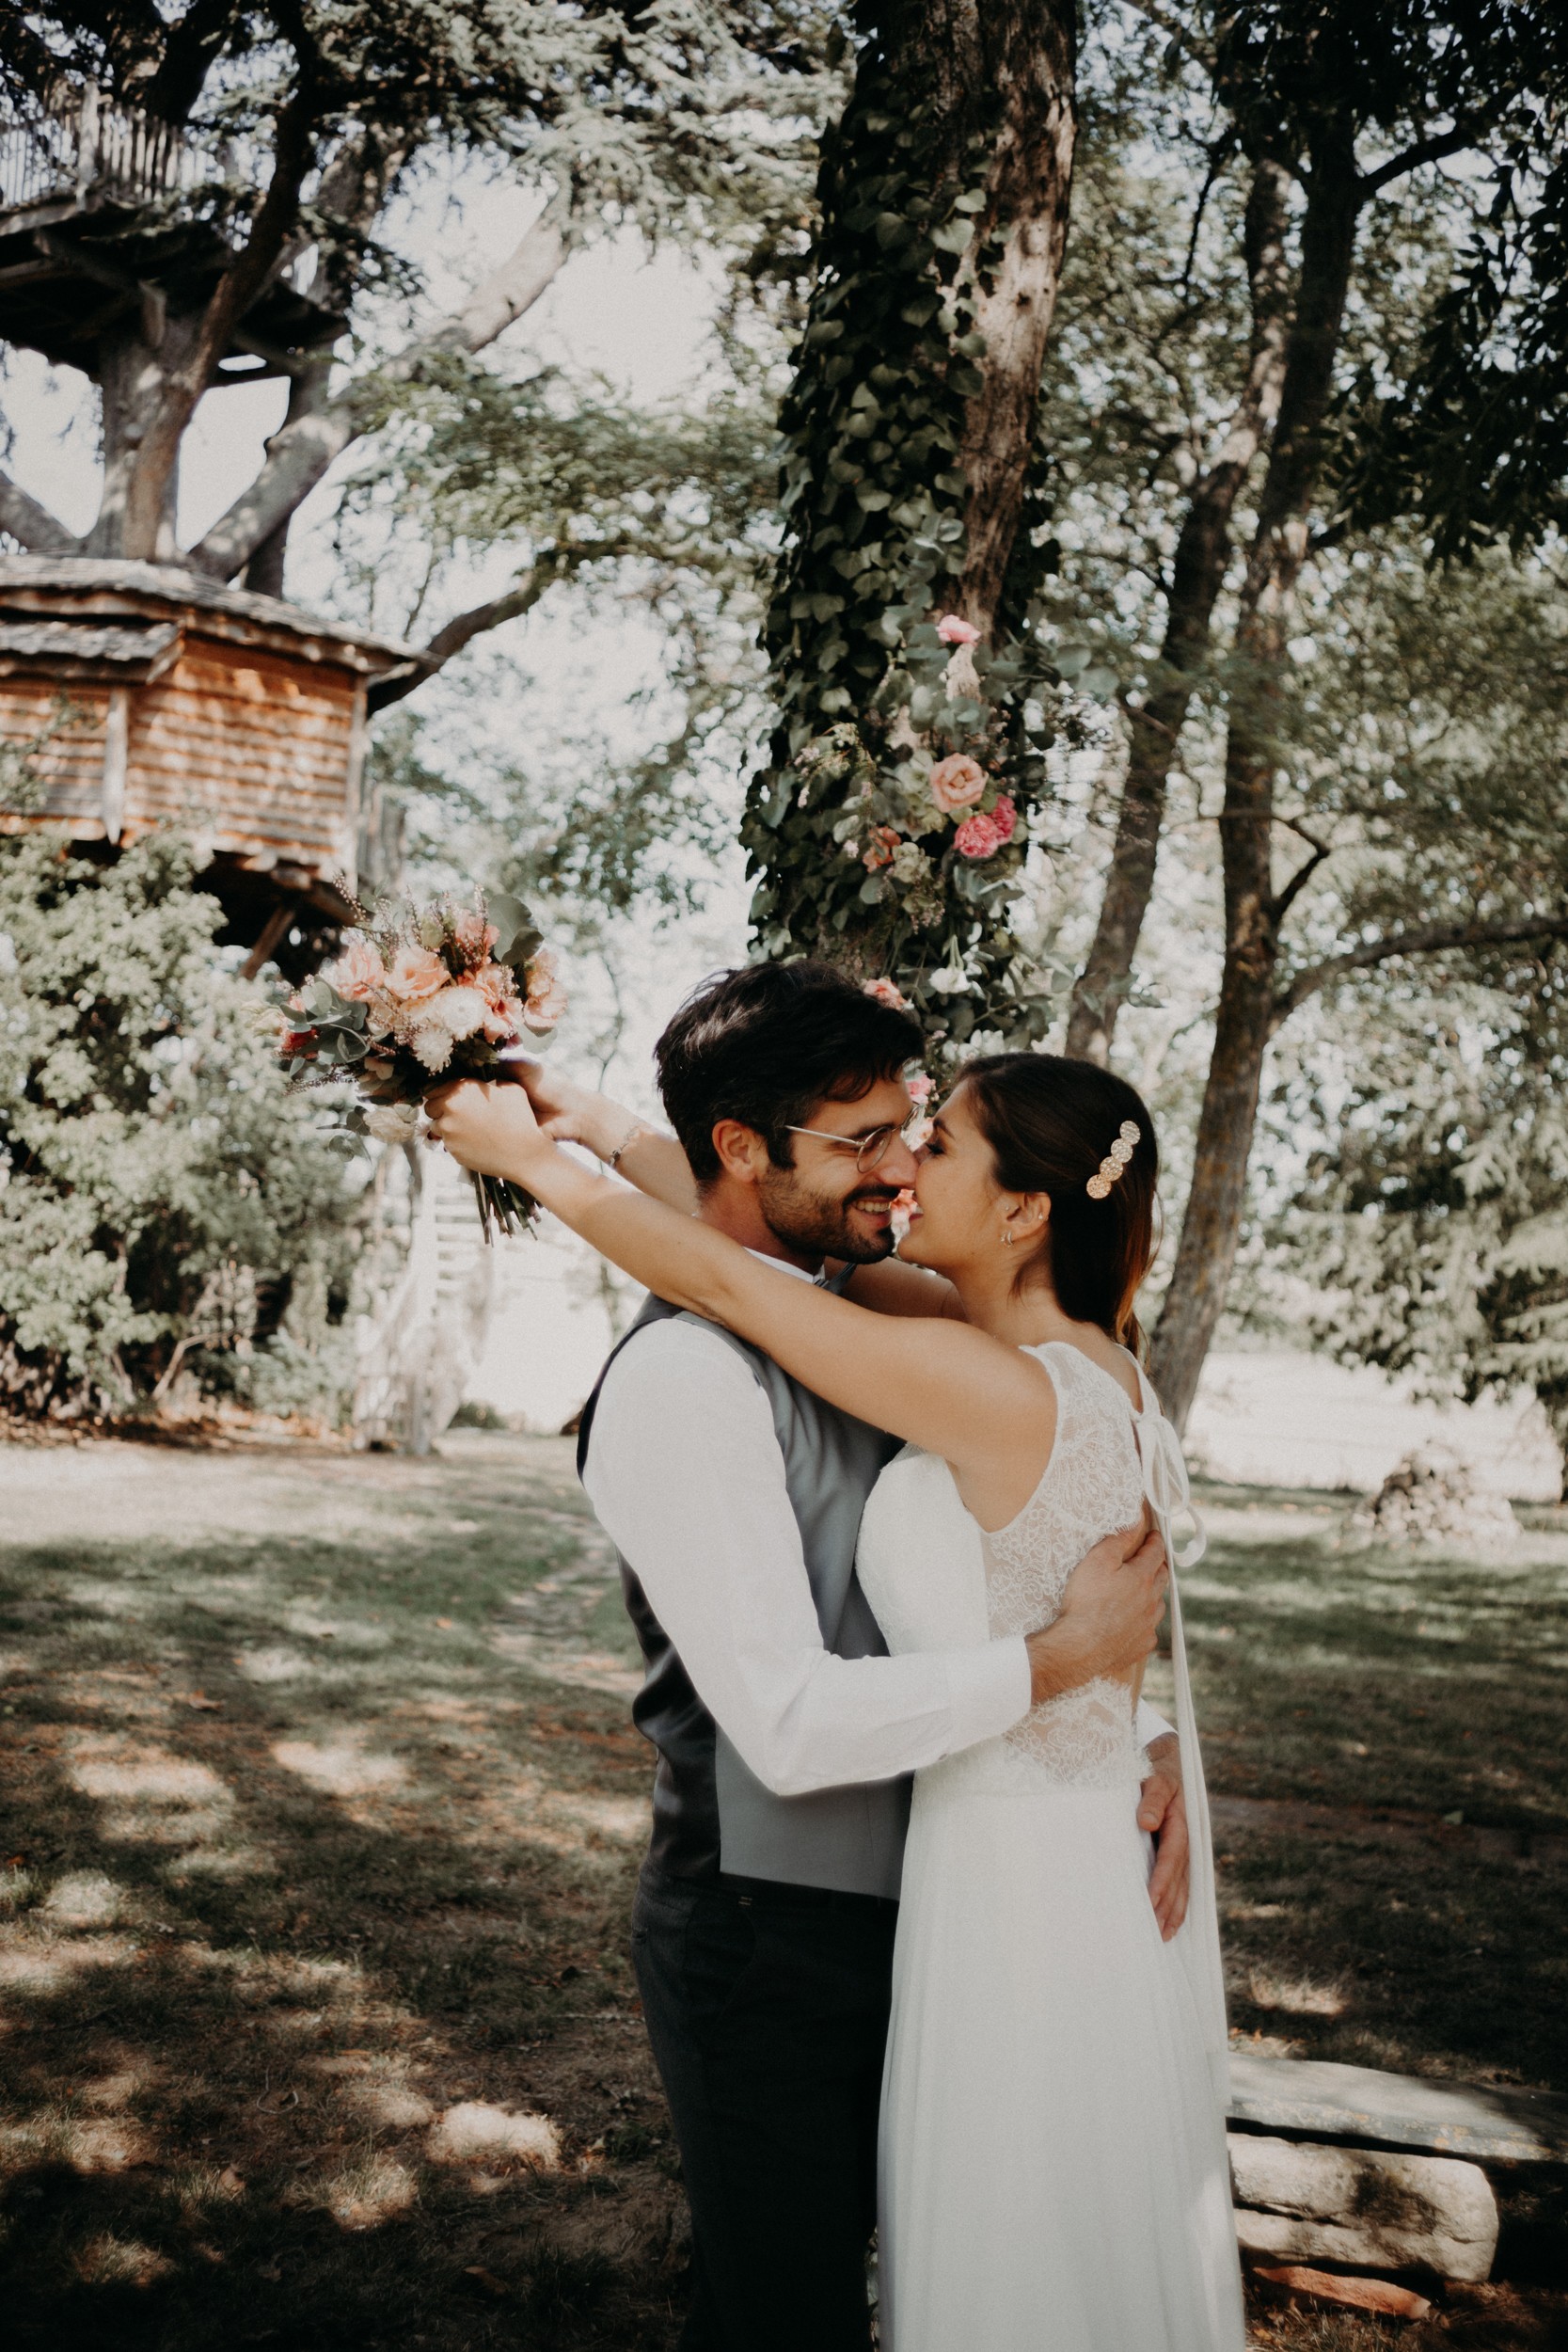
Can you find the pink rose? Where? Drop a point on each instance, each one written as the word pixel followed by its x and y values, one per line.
pixel 887 993
pixel 359 970
pixel 978 836
pixel 957 782
pixel 884 840
pixel 546 997
pixel 416 974
pixel 953 632
pixel 920 1088
pixel 1004 818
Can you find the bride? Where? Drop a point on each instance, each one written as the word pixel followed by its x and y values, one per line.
pixel 1053 2171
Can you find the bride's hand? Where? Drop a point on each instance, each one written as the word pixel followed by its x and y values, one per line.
pixel 566 1112
pixel 487 1127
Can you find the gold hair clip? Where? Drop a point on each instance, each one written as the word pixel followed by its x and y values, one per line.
pixel 1114 1162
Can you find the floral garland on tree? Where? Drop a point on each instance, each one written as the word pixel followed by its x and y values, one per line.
pixel 888 830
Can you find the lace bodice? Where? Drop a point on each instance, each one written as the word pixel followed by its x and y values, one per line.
pixel 936 1580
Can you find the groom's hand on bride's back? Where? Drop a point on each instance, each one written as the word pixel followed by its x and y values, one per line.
pixel 1110 1616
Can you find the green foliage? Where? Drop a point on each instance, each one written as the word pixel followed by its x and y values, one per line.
pixel 165 1206
pixel 663 514
pixel 1430 737
pixel 689 106
pixel 854 859
pixel 1475 441
pixel 1433 1231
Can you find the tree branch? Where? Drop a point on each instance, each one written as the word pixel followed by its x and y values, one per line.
pixel 1425 152
pixel 33 524
pixel 1424 940
pixel 1285 900
pixel 1181 35
pixel 300 454
pixel 561 564
pixel 460 632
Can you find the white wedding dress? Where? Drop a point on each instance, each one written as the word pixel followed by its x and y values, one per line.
pixel 1052 2145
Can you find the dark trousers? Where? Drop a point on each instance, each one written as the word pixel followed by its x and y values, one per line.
pixel 767 2009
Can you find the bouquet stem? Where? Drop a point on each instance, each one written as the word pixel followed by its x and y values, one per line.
pixel 503 1205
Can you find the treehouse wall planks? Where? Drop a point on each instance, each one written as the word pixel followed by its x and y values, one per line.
pixel 144 695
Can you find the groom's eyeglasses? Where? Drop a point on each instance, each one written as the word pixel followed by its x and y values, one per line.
pixel 869 1150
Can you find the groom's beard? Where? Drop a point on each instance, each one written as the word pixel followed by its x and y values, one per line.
pixel 819 1227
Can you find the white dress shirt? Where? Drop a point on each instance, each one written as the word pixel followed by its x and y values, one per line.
pixel 686 1478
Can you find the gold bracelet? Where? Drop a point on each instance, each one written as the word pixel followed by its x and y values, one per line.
pixel 631 1135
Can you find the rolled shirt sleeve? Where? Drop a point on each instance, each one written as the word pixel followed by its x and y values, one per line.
pixel 686 1478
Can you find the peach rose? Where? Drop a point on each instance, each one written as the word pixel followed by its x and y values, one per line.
pixel 416 974
pixel 884 840
pixel 978 836
pixel 359 970
pixel 957 782
pixel 954 631
pixel 503 1013
pixel 887 993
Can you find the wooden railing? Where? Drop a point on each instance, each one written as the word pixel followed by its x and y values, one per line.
pixel 82 145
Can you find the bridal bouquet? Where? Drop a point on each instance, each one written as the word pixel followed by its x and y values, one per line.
pixel 420 997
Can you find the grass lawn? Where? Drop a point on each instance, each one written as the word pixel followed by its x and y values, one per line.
pixel 322 1818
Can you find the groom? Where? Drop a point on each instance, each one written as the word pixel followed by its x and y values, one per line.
pixel 763 1930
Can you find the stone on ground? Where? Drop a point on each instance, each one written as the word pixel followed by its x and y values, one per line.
pixel 1299 2201
pixel 1433 1499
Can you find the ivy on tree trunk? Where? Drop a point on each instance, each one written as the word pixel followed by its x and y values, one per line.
pixel 890 826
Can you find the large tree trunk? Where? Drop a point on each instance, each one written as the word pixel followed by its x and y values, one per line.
pixel 137 513
pixel 1030 56
pixel 1254 911
pixel 1198 574
pixel 910 455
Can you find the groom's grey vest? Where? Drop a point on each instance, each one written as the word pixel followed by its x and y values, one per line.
pixel 711 1813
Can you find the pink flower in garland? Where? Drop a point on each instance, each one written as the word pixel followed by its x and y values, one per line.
pixel 884 840
pixel 954 631
pixel 887 993
pixel 1004 818
pixel 978 836
pixel 957 782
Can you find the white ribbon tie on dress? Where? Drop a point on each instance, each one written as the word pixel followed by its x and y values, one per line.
pixel 1166 1483
pixel 1169 1494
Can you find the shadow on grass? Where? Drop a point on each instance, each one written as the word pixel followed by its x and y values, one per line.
pixel 301 1860
pixel 305 1853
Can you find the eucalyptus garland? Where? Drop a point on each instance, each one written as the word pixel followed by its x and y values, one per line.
pixel 907 771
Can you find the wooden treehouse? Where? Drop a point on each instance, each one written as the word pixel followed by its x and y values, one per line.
pixel 140 694
pixel 105 243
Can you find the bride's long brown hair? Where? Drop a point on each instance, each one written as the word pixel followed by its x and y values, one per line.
pixel 1051 1121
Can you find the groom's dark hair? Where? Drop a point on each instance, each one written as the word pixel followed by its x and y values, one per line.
pixel 765 1044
